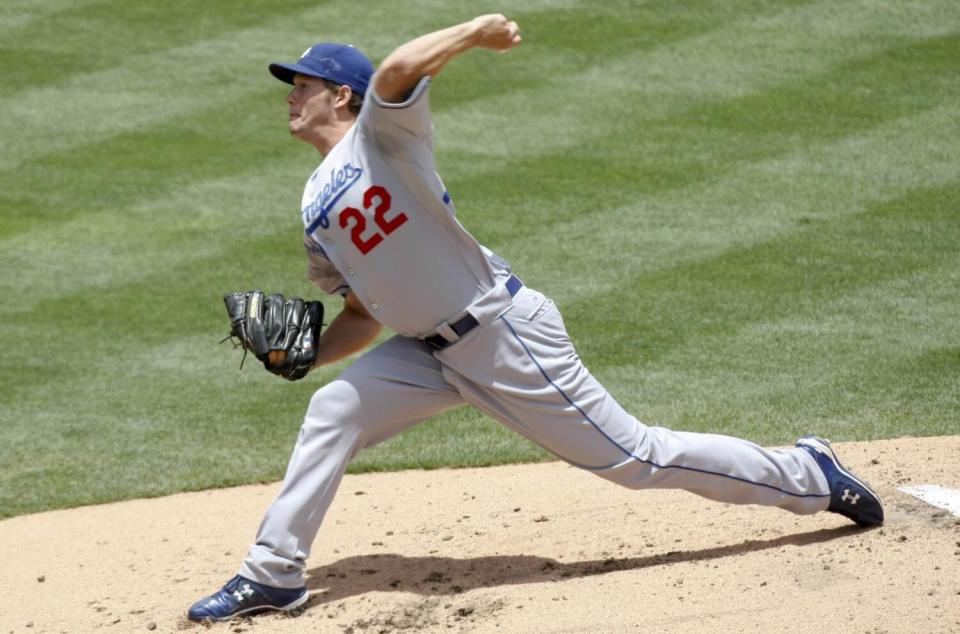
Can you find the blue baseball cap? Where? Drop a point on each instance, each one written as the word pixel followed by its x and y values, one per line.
pixel 340 63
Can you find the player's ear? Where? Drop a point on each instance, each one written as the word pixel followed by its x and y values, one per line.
pixel 342 96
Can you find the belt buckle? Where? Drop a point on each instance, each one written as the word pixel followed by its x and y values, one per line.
pixel 436 342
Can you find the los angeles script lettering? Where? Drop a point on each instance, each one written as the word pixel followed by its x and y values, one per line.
pixel 339 182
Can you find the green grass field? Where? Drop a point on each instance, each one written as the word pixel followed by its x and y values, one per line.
pixel 749 213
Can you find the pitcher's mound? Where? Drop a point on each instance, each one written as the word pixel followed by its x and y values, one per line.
pixel 531 548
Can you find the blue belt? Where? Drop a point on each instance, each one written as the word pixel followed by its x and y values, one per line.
pixel 468 322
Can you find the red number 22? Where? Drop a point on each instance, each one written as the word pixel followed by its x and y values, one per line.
pixel 386 225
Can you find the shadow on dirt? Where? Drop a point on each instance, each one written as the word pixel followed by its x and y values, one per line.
pixel 433 576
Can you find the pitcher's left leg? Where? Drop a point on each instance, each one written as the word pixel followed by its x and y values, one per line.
pixel 723 468
pixel 541 390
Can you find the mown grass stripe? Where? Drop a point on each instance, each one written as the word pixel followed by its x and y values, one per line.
pixel 754 53
pixel 111 101
pixel 94 177
pixel 870 363
pixel 708 140
pixel 559 48
pixel 100 152
pixel 207 137
pixel 158 86
pixel 18 15
pixel 707 297
pixel 41 52
pixel 755 202
pixel 186 81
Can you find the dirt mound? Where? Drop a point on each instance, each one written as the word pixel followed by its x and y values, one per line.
pixel 533 548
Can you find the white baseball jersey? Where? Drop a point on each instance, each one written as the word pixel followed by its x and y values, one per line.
pixel 379 221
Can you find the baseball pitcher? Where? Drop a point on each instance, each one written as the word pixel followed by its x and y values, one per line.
pixel 380 230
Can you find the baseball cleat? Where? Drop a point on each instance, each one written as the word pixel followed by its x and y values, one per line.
pixel 849 495
pixel 242 596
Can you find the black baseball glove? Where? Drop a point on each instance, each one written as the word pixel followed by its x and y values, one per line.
pixel 263 324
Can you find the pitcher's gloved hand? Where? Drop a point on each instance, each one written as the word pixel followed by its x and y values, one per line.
pixel 277 328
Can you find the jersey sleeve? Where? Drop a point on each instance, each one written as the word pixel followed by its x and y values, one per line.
pixel 320 270
pixel 399 128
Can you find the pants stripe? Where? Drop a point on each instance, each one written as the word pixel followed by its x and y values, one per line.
pixel 630 454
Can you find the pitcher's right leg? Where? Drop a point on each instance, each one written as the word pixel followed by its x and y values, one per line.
pixel 392 387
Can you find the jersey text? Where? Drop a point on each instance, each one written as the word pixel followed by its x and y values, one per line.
pixel 315 214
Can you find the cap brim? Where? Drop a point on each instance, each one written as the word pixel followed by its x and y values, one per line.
pixel 285 72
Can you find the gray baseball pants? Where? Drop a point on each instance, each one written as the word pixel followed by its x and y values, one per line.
pixel 520 368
